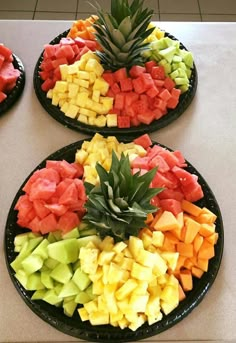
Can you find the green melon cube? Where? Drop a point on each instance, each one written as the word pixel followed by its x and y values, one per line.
pixel 65 251
pixel 89 291
pixel 83 241
pixel 50 263
pixel 46 279
pixel 52 298
pixel 81 279
pixel 41 249
pixel 62 273
pixel 22 277
pixel 72 234
pixel 34 282
pixel 82 298
pixel 69 289
pixel 32 263
pixel 39 294
pixel 69 308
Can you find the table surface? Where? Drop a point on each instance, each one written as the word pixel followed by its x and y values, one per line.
pixel 205 134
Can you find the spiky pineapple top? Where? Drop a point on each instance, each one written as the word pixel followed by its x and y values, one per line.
pixel 122 33
pixel 119 205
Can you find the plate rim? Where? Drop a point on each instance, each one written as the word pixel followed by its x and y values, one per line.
pixel 16 92
pixel 101 334
pixel 75 125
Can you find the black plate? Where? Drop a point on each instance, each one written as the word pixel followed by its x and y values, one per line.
pixel 56 113
pixel 106 333
pixel 13 96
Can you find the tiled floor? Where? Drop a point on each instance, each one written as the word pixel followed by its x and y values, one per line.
pixel 164 10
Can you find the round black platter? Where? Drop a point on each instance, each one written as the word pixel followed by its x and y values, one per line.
pixel 83 330
pixel 185 100
pixel 13 96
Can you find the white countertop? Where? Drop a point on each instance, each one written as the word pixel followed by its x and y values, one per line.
pixel 205 133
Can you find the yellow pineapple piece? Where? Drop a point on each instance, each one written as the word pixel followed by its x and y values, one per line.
pixel 100 121
pixel 83 83
pixel 81 99
pixel 80 156
pixel 88 113
pixel 91 120
pixel 111 120
pixel 83 75
pixel 105 257
pixel 60 86
pixel 96 95
pixel 64 71
pixel 73 90
pixel 158 238
pixel 138 302
pixel 55 99
pixel 72 111
pixel 82 118
pixel 85 57
pixel 135 245
pixel 101 85
pixel 126 289
pixel 83 314
pixel 64 107
pixel 72 69
pixel 92 77
pixel 99 318
pixel 140 272
pixel 49 94
pixel 171 258
pixel 94 66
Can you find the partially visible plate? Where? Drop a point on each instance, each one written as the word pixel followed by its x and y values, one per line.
pixel 56 113
pixel 13 96
pixel 106 333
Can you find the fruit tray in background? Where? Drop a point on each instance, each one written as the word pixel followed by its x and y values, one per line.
pixel 172 114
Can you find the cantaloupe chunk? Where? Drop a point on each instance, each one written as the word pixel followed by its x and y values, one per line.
pixel 166 222
pixel 190 208
pixel 182 295
pixel 202 263
pixel 186 280
pixel 212 239
pixel 206 250
pixel 198 240
pixel 207 229
pixel 192 228
pixel 185 249
pixel 197 272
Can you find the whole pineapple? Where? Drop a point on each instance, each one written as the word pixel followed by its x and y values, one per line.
pixel 121 33
pixel 119 205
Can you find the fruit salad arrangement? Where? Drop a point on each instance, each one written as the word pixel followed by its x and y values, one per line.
pixel 114 237
pixel 116 69
pixel 8 73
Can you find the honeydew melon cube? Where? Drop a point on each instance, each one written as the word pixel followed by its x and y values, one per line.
pixel 58 288
pixel 52 298
pixel 68 289
pixel 72 111
pixel 83 75
pixel 32 263
pixel 46 279
pixel 41 249
pixel 22 277
pixel 64 71
pixel 34 282
pixel 177 59
pixel 50 263
pixel 81 279
pixel 101 85
pixel 69 308
pixel 184 88
pixel 71 234
pixel 20 239
pixel 65 251
pixel 181 81
pixel 168 53
pixel 39 294
pixel 82 298
pixel 174 74
pixel 62 273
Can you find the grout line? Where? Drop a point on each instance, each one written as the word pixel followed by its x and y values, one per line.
pixel 198 2
pixel 77 7
pixel 36 4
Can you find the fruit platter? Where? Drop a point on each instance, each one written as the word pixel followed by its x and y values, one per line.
pixel 12 78
pixel 114 239
pixel 115 73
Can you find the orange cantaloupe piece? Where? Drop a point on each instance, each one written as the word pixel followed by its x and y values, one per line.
pixel 171 237
pixel 197 242
pixel 212 239
pixel 180 262
pixel 168 245
pixel 188 263
pixel 192 229
pixel 166 222
pixel 149 219
pixel 203 263
pixel 206 216
pixel 207 229
pixel 186 280
pixel 182 295
pixel 197 272
pixel 190 208
pixel 206 250
pixel 155 219
pixel 185 249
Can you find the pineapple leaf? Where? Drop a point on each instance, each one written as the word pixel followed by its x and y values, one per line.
pixel 118 37
pixel 125 26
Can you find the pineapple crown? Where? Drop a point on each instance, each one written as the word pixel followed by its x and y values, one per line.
pixel 119 205
pixel 122 33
